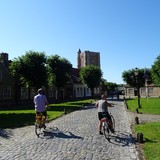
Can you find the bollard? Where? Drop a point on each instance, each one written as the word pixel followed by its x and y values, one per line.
pixel 65 112
pixel 126 106
pixel 140 137
pixel 136 120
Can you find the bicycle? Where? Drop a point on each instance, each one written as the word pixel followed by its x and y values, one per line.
pixel 107 126
pixel 39 124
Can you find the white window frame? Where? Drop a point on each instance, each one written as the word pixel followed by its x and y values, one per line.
pixel 24 93
pixel 6 92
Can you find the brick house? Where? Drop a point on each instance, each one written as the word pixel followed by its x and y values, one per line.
pixel 13 94
pixel 148 91
pixel 7 84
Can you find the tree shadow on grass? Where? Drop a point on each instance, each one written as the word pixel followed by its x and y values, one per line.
pixel 13 120
pixel 146 140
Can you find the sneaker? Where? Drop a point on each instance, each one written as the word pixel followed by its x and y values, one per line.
pixel 100 132
pixel 112 130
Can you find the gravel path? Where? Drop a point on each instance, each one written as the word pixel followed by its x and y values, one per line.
pixel 143 118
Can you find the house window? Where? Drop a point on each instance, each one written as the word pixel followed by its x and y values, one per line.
pixel 1 75
pixel 143 90
pixel 81 91
pixel 130 91
pixel 6 92
pixel 0 92
pixel 150 90
pixel 78 91
pixel 24 93
pixel 87 91
pixel 50 92
pixel 32 93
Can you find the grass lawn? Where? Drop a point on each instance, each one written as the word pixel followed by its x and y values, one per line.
pixel 151 131
pixel 18 118
pixel 151 145
pixel 150 105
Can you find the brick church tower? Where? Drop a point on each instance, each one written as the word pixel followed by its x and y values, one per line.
pixel 88 58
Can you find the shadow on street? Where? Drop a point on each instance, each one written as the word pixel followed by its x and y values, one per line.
pixel 55 132
pixel 5 134
pixel 121 139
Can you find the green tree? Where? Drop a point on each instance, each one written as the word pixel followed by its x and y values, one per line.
pixel 103 85
pixel 29 69
pixel 91 76
pixel 59 72
pixel 111 87
pixel 108 86
pixel 15 70
pixel 130 78
pixel 155 71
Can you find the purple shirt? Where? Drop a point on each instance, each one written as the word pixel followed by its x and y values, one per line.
pixel 40 102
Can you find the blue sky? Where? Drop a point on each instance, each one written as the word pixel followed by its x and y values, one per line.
pixel 125 32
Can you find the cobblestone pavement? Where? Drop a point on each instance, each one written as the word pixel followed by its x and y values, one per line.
pixel 71 137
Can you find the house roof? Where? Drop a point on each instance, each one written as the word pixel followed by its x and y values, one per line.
pixel 75 75
pixel 6 77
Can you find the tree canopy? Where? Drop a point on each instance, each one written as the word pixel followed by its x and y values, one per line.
pixel 60 70
pixel 91 76
pixel 111 87
pixel 30 69
pixel 130 78
pixel 155 71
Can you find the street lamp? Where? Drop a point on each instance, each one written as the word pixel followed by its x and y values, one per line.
pixel 137 83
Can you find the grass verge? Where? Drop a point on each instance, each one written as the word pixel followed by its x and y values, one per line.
pixel 151 130
pixel 20 117
pixel 150 105
pixel 151 145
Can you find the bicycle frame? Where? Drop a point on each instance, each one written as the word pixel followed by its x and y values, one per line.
pixel 106 125
pixel 40 121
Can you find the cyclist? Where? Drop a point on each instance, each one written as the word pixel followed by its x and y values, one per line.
pixel 102 106
pixel 40 102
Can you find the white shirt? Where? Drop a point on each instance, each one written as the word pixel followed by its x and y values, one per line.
pixel 102 106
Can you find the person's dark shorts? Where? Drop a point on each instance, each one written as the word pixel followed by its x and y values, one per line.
pixel 104 115
pixel 44 113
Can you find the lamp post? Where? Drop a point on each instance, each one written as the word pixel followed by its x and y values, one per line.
pixel 137 83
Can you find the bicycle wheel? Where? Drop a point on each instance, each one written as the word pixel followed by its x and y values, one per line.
pixel 105 130
pixel 38 124
pixel 113 122
pixel 37 129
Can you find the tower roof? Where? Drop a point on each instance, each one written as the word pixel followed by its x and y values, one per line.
pixel 79 51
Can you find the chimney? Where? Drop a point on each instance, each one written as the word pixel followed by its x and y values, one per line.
pixel 78 59
pixel 4 58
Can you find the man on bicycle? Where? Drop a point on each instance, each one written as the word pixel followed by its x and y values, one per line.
pixel 41 103
pixel 102 106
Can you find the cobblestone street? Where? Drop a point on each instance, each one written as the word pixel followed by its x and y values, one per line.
pixel 71 137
